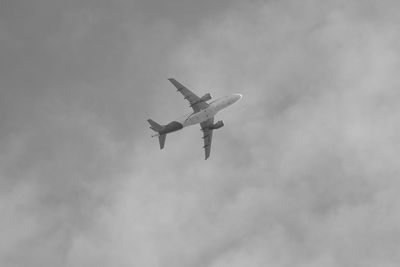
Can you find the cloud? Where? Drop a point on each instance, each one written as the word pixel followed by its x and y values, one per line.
pixel 304 173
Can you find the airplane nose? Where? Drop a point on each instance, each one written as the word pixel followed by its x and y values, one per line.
pixel 238 97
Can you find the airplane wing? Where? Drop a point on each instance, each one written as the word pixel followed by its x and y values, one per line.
pixel 195 102
pixel 207 135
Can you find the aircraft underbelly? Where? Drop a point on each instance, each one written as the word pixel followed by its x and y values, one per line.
pixel 198 117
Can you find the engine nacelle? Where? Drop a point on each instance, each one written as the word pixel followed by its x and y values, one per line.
pixel 206 97
pixel 216 125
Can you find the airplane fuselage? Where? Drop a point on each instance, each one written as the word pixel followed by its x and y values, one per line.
pixel 202 115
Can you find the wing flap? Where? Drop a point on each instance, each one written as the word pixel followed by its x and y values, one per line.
pixel 195 102
pixel 207 136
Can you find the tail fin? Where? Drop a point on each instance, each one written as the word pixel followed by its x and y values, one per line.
pixel 157 127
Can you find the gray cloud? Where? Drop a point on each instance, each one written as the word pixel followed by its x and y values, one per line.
pixel 304 173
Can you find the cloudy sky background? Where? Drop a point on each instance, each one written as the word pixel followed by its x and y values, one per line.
pixel 304 173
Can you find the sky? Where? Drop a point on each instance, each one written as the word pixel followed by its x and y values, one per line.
pixel 304 173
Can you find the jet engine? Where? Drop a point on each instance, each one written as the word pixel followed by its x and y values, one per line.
pixel 216 125
pixel 206 97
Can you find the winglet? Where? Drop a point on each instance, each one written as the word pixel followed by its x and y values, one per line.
pixel 177 84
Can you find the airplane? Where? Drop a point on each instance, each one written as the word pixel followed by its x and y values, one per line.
pixel 203 114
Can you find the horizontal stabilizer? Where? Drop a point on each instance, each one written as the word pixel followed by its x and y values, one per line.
pixel 157 127
pixel 154 125
pixel 161 138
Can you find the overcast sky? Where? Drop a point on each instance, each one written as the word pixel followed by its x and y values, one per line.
pixel 305 172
